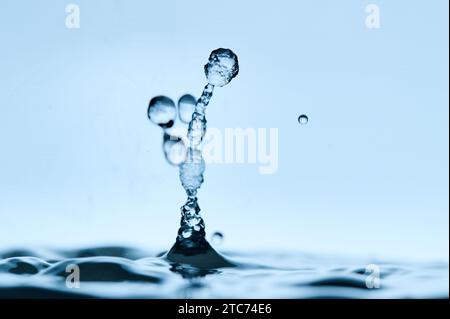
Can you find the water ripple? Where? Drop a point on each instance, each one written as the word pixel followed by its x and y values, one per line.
pixel 121 272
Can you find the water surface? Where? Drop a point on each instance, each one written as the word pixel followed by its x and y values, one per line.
pixel 123 272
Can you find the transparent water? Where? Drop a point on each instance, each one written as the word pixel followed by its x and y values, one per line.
pixel 192 268
pixel 122 272
pixel 186 107
pixel 190 246
pixel 303 119
pixel 80 94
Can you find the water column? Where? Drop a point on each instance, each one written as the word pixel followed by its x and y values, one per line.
pixel 221 68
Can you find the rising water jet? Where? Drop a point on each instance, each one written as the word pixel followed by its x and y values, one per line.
pixel 191 246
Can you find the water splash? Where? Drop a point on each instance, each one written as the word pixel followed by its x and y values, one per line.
pixel 221 68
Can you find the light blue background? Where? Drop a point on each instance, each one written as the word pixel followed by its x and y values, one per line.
pixel 81 164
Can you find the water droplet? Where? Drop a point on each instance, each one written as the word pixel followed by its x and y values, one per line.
pixel 174 149
pixel 303 119
pixel 217 238
pixel 222 67
pixel 162 111
pixel 186 106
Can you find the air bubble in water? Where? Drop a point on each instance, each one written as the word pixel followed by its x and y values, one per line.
pixel 162 111
pixel 186 233
pixel 216 238
pixel 222 67
pixel 174 149
pixel 303 119
pixel 186 106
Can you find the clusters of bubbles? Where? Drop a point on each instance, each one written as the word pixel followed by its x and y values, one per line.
pixel 221 68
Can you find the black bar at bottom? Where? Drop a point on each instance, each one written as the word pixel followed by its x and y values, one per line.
pixel 218 308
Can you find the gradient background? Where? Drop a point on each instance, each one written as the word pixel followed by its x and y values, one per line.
pixel 80 164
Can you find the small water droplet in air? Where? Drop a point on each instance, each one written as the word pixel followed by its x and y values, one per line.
pixel 216 238
pixel 222 67
pixel 303 119
pixel 162 111
pixel 174 149
pixel 186 106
